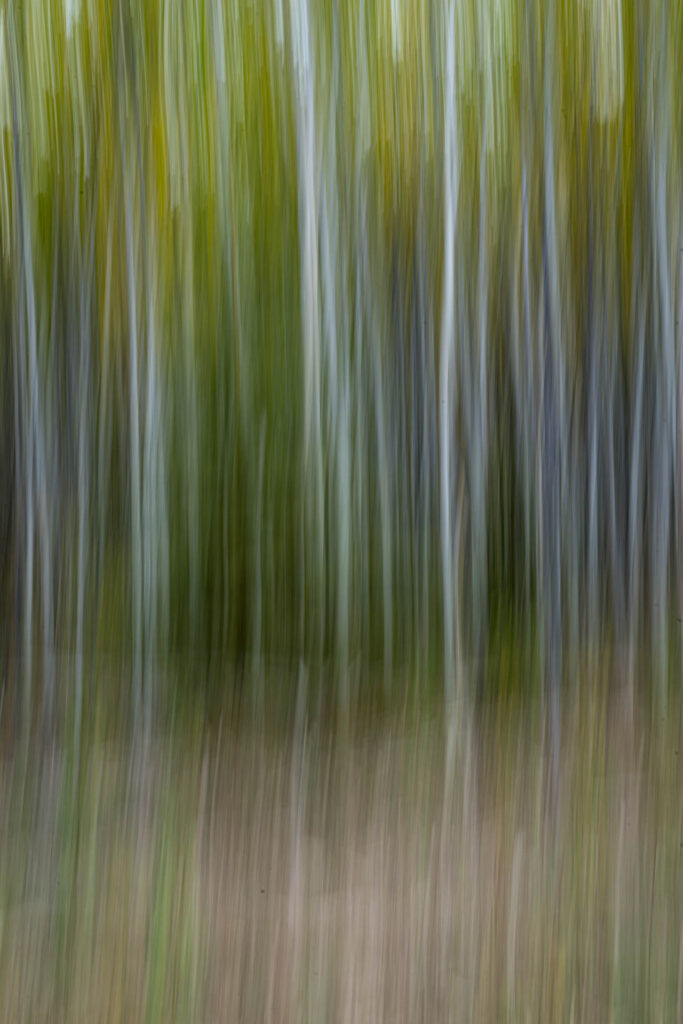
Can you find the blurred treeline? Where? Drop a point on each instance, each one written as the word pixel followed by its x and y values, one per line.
pixel 341 330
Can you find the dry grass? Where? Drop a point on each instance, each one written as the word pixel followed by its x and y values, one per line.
pixel 420 871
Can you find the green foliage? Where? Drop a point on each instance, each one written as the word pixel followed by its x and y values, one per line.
pixel 223 295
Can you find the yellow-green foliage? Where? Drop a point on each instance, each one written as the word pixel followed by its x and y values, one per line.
pixel 224 243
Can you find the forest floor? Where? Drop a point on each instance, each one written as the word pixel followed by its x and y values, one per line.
pixel 422 868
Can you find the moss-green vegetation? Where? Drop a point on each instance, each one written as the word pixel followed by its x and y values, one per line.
pixel 346 332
